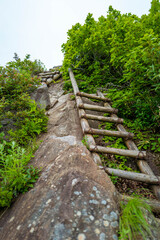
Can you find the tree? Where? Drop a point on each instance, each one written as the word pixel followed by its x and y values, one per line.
pixel 121 49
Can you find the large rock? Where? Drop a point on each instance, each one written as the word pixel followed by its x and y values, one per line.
pixel 41 96
pixel 73 198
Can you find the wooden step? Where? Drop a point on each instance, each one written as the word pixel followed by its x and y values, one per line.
pixel 143 165
pixel 101 118
pixel 109 133
pixel 133 176
pixel 82 94
pixel 97 108
pixel 46 74
pixel 116 151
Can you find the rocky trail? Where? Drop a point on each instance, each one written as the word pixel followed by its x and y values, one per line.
pixel 73 198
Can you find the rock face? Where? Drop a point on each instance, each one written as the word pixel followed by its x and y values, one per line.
pixel 73 198
pixel 41 96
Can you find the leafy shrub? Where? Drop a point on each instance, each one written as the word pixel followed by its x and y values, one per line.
pixel 15 175
pixel 29 121
pixel 123 50
pixel 19 77
pixel 17 80
pixel 21 122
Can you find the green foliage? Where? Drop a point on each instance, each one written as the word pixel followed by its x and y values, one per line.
pixel 19 77
pixel 72 97
pixel 29 121
pixel 133 222
pixel 147 140
pixel 84 141
pixel 21 121
pixel 119 162
pixel 15 175
pixel 67 85
pixel 122 50
pixel 115 142
pixel 25 119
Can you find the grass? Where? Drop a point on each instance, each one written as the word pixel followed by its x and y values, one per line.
pixel 133 222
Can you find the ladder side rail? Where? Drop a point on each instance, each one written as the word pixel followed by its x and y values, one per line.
pixel 142 164
pixel 84 123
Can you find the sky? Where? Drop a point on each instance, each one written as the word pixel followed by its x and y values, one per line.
pixel 39 27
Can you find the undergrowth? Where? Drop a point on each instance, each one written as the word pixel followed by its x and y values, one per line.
pixel 21 121
pixel 118 162
pixel 133 222
pixel 119 53
pixel 16 176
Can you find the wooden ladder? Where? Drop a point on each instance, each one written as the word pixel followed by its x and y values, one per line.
pixel 146 174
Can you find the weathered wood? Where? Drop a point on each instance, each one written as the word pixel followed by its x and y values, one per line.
pixel 101 118
pixel 85 126
pixel 84 123
pixel 155 205
pixel 116 151
pixel 74 84
pixel 56 76
pixel 133 176
pixel 82 94
pixel 109 133
pixel 143 165
pixel 47 74
pixel 97 108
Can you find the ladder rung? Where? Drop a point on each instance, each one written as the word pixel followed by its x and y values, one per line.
pixel 133 175
pixel 101 118
pixel 116 151
pixel 97 108
pixel 110 133
pixel 82 94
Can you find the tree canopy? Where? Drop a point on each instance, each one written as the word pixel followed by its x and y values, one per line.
pixel 121 51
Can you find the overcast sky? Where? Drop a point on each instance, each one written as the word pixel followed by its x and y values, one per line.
pixel 39 27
